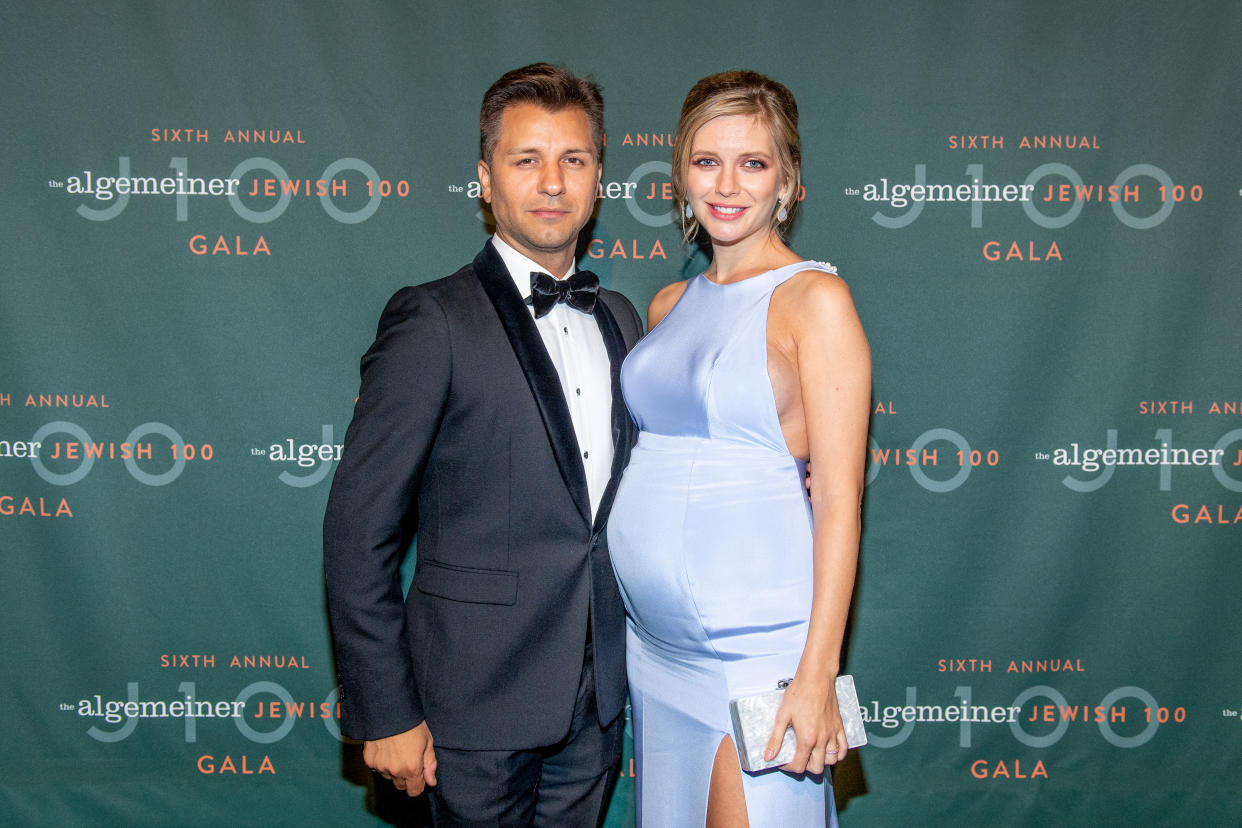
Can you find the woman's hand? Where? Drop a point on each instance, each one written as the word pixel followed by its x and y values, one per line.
pixel 811 708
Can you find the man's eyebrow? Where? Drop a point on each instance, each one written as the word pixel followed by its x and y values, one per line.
pixel 535 150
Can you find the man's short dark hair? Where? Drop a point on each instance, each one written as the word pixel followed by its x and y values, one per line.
pixel 546 86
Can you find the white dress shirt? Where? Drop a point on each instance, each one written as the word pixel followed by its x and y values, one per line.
pixel 576 346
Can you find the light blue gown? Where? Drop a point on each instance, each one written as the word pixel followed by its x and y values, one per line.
pixel 710 539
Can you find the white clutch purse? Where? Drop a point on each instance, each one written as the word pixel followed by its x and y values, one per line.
pixel 754 717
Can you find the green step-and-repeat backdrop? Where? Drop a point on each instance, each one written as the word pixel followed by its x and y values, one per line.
pixel 1038 208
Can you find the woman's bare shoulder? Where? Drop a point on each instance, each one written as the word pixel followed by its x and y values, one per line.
pixel 814 294
pixel 663 302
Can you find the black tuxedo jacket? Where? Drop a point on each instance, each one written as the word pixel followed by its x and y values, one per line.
pixel 461 433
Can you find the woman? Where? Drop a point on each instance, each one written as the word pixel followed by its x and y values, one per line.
pixel 732 578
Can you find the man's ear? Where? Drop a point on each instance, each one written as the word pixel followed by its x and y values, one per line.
pixel 485 181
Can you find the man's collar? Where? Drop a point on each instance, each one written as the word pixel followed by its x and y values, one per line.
pixel 521 266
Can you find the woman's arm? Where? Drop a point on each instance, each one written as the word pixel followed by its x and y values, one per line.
pixel 833 366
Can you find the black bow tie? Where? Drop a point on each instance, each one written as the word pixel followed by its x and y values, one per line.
pixel 578 291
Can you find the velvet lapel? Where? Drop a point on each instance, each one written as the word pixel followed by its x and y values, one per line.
pixel 540 373
pixel 622 425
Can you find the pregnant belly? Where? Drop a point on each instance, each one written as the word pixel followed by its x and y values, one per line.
pixel 711 544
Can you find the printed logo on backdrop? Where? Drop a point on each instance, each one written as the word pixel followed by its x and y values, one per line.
pixel 943 459
pixel 302 464
pixel 259 187
pixel 1051 195
pixel 63 452
pixel 939 459
pixel 1025 704
pixel 1164 459
pixel 234 734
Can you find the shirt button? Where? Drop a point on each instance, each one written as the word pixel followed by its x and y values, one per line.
pixel 578 391
pixel 566 330
pixel 586 454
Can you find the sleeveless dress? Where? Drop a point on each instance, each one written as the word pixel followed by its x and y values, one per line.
pixel 710 539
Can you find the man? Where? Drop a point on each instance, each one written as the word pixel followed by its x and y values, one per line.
pixel 490 421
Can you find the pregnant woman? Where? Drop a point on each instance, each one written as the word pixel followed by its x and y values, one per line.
pixel 734 578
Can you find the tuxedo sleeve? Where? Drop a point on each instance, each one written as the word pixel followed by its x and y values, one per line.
pixel 371 513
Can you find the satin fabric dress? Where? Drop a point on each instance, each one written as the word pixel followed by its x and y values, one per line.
pixel 710 539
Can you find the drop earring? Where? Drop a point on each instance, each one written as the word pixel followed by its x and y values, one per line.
pixel 782 213
pixel 689 213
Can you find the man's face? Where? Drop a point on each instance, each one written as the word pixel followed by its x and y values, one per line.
pixel 541 182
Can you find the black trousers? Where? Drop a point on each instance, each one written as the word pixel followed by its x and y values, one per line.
pixel 559 786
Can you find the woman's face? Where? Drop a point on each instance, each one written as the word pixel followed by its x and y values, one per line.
pixel 734 179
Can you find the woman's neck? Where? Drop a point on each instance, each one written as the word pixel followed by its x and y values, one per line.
pixel 735 262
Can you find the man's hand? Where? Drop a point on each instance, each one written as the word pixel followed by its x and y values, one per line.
pixel 408 759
